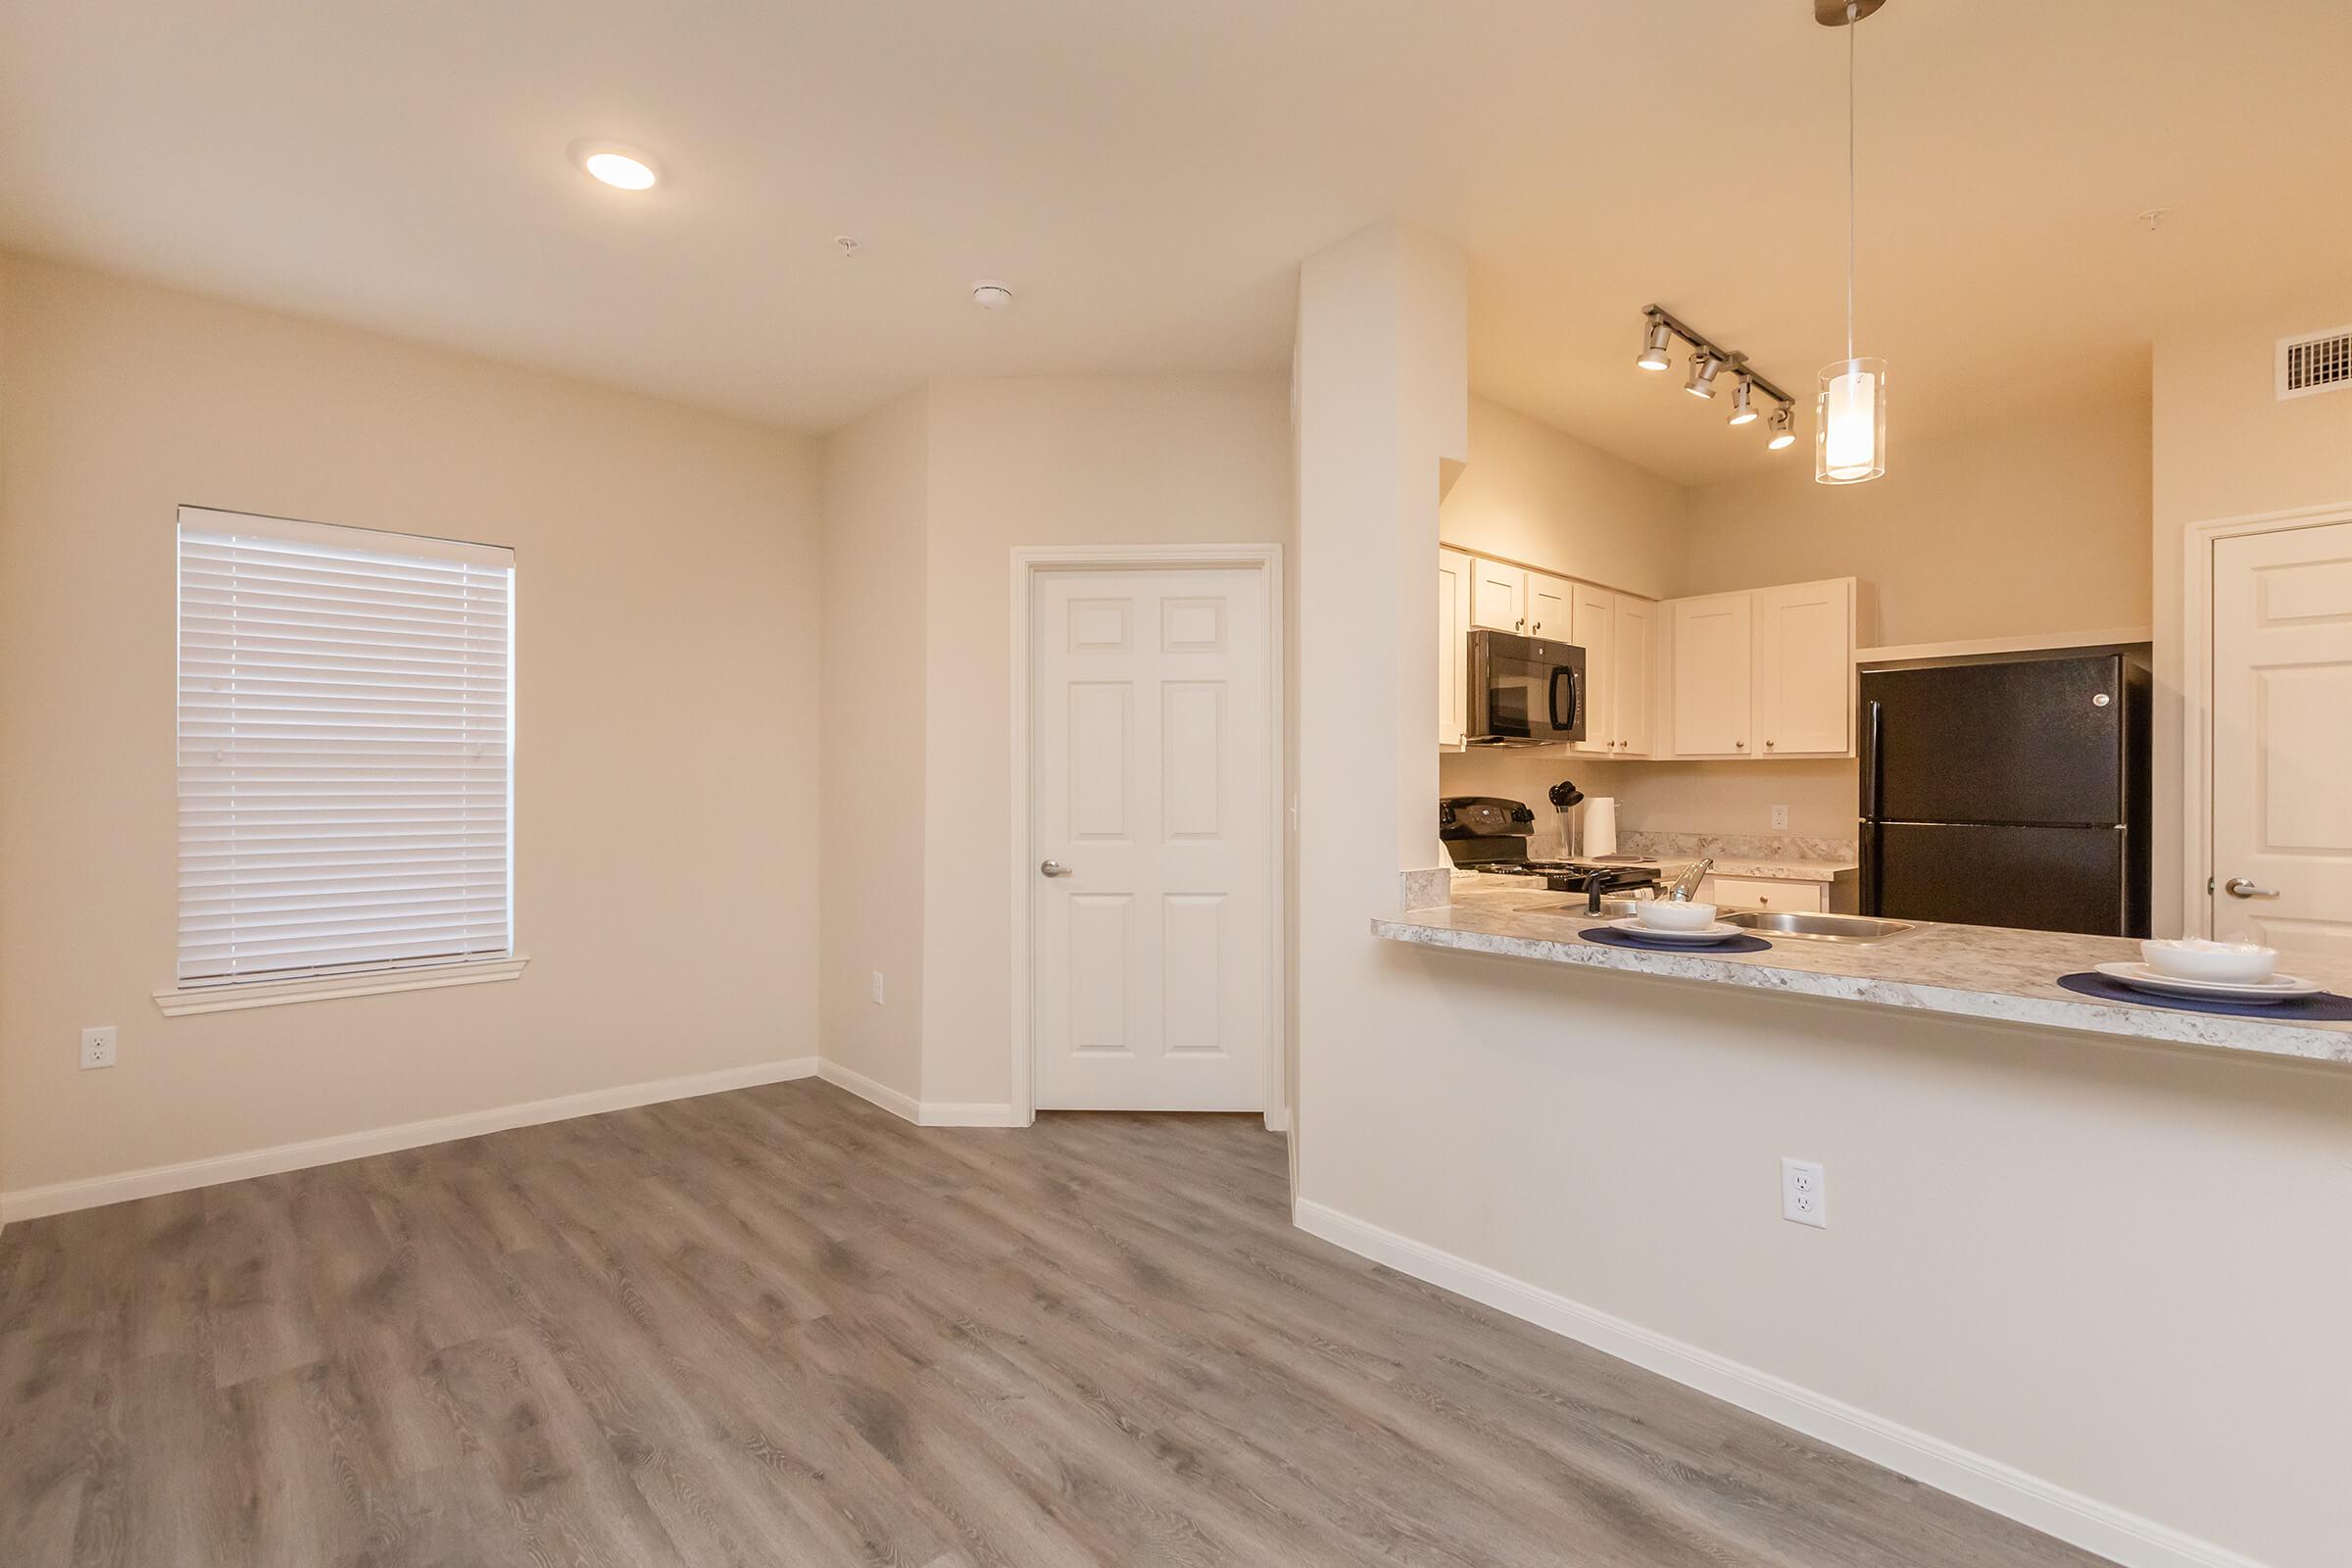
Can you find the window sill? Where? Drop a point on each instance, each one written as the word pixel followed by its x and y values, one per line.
pixel 281 992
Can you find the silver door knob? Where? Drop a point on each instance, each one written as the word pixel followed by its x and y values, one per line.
pixel 1053 868
pixel 2239 887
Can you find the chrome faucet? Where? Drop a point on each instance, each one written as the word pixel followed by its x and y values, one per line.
pixel 1610 879
pixel 1687 884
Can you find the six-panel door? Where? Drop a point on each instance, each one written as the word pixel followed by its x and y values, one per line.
pixel 2282 739
pixel 1152 785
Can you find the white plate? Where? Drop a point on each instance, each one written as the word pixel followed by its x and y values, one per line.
pixel 1704 936
pixel 2278 987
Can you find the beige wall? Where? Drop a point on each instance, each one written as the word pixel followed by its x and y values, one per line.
pixel 2017 1251
pixel 2226 446
pixel 2019 528
pixel 665 784
pixel 870 744
pixel 1534 495
pixel 1136 460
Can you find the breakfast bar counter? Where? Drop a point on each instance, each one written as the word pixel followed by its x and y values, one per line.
pixel 2007 976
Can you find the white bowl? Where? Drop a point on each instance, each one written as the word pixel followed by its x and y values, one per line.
pixel 1664 914
pixel 2240 963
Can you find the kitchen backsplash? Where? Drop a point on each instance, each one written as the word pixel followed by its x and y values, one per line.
pixel 1736 845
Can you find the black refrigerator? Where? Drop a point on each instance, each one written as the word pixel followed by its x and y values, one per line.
pixel 2008 790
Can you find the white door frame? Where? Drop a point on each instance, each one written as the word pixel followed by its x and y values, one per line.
pixel 1029 562
pixel 2197 690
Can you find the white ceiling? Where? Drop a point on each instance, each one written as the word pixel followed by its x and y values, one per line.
pixel 1148 174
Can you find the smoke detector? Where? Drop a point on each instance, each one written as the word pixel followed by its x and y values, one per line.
pixel 991 295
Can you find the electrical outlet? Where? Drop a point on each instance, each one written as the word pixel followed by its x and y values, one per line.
pixel 98 1047
pixel 1779 817
pixel 1804 1192
pixel 875 986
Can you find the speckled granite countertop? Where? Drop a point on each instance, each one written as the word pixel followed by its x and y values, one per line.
pixel 1971 971
pixel 1734 865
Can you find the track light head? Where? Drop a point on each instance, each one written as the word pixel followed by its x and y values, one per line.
pixel 1655 341
pixel 1743 401
pixel 1783 428
pixel 1705 364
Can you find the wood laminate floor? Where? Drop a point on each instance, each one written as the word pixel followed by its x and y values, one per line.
pixel 780 1326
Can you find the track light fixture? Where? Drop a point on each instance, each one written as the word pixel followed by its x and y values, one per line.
pixel 1709 360
pixel 1656 341
pixel 1743 401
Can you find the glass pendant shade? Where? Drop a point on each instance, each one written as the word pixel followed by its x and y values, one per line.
pixel 1849 430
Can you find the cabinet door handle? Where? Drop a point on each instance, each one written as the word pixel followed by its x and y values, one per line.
pixel 1742 745
pixel 1768 746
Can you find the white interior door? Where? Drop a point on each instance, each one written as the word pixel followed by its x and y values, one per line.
pixel 2282 739
pixel 1151 948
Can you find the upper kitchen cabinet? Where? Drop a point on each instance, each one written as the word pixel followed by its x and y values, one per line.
pixel 1497 595
pixel 1804 669
pixel 1712 710
pixel 1633 643
pixel 1549 612
pixel 1765 673
pixel 1453 646
pixel 1614 630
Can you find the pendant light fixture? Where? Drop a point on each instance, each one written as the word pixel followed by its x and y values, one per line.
pixel 1849 429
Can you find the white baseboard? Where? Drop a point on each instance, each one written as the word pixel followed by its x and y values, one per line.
pixel 2084 1522
pixel 60 1198
pixel 905 1106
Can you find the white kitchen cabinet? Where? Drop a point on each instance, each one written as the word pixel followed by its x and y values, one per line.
pixel 1756 892
pixel 1804 669
pixel 1453 646
pixel 1614 630
pixel 1549 612
pixel 1497 595
pixel 1633 636
pixel 1592 626
pixel 1714 657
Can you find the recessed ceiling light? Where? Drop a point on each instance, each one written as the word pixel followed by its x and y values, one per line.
pixel 622 168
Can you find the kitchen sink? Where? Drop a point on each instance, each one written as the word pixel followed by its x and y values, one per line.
pixel 1817 927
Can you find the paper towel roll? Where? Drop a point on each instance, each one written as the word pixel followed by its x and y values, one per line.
pixel 1601 826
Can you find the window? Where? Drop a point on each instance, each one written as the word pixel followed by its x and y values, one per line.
pixel 345 761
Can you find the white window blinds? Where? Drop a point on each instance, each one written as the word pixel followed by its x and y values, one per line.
pixel 346 727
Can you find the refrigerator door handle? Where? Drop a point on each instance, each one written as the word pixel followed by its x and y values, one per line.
pixel 1876 713
pixel 1868 872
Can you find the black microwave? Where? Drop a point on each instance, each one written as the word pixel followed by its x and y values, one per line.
pixel 1524 691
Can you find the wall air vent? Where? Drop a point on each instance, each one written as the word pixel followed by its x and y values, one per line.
pixel 2314 361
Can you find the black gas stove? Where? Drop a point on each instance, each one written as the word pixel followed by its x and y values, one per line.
pixel 1488 833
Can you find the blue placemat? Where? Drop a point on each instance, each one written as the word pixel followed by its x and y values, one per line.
pixel 2325 1007
pixel 1612 937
